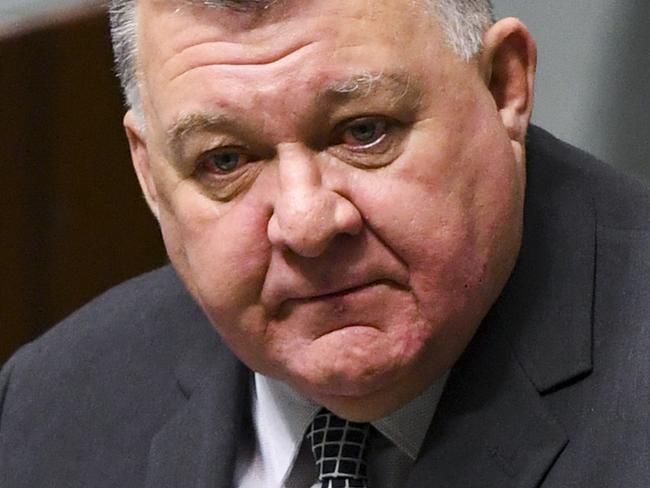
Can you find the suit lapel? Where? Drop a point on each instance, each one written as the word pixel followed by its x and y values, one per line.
pixel 492 427
pixel 197 448
pixel 547 305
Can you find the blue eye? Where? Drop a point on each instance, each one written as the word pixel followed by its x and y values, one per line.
pixel 225 161
pixel 364 132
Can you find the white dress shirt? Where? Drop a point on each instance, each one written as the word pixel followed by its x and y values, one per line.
pixel 276 457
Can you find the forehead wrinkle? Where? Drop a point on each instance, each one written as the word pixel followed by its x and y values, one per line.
pixel 236 5
pixel 251 56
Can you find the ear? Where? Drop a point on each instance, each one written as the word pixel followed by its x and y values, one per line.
pixel 508 63
pixel 141 160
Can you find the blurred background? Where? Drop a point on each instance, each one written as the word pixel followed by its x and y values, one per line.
pixel 72 220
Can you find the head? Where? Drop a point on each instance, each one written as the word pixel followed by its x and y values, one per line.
pixel 339 183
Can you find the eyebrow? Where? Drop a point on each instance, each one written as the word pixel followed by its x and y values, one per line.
pixel 195 123
pixel 369 83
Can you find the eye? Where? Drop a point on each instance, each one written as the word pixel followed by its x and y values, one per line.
pixel 369 141
pixel 224 161
pixel 364 133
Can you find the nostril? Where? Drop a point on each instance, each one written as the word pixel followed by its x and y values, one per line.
pixel 347 217
pixel 301 235
pixel 273 231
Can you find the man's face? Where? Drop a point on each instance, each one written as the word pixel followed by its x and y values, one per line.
pixel 334 186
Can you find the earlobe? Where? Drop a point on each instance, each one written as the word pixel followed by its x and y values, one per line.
pixel 508 63
pixel 141 161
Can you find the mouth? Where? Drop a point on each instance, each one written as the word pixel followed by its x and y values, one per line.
pixel 340 293
pixel 337 300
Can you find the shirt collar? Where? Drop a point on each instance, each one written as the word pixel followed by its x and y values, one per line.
pixel 282 416
pixel 407 426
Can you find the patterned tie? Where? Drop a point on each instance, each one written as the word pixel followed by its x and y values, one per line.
pixel 340 449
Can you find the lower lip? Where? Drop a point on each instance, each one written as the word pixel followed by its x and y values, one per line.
pixel 358 330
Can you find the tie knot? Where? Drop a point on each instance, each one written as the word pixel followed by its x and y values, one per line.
pixel 339 447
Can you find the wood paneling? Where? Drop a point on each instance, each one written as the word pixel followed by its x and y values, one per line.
pixel 72 219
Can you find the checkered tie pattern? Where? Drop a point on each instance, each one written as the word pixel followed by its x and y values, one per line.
pixel 339 447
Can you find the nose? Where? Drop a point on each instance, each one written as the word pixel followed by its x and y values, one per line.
pixel 307 215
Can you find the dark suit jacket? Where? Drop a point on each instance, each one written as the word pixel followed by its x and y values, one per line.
pixel 137 390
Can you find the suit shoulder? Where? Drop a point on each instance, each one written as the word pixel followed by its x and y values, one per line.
pixel 93 391
pixel 141 324
pixel 619 199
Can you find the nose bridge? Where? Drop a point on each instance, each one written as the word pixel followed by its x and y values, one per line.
pixel 298 171
pixel 307 214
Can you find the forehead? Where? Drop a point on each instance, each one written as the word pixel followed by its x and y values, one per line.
pixel 283 49
pixel 259 26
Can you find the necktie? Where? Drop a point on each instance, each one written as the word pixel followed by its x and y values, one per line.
pixel 339 447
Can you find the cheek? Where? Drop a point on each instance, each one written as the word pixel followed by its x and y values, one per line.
pixel 455 219
pixel 220 250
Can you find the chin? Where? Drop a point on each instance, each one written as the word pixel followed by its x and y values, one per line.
pixel 365 408
pixel 365 396
pixel 345 384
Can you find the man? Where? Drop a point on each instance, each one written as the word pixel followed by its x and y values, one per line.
pixel 348 193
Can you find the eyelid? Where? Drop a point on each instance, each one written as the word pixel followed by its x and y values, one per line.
pixel 341 126
pixel 223 186
pixel 355 120
pixel 372 144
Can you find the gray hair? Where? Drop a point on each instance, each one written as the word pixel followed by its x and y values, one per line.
pixel 463 21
